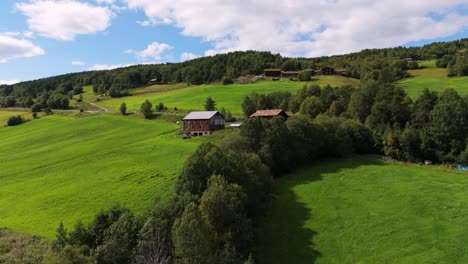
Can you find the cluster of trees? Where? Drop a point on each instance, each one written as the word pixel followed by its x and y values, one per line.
pixel 386 65
pixel 50 99
pixel 220 195
pixel 457 65
pixel 433 127
pixel 146 108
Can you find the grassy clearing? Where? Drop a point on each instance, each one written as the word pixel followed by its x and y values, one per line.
pixel 228 96
pixel 5 114
pixel 63 168
pixel 427 64
pixel 434 79
pixel 367 211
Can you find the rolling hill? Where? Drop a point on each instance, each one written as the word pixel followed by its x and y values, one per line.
pixel 66 169
pixel 432 78
pixel 228 96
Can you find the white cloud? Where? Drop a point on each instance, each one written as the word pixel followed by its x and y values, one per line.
pixel 185 56
pixel 64 19
pixel 103 67
pixel 108 2
pixel 14 48
pixel 11 34
pixel 78 63
pixel 28 34
pixel 8 82
pixel 306 27
pixel 155 52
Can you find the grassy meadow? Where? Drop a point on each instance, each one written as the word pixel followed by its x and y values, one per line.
pixel 5 114
pixel 66 169
pixel 432 78
pixel 228 96
pixel 365 211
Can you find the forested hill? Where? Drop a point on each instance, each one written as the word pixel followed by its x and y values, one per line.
pixel 385 64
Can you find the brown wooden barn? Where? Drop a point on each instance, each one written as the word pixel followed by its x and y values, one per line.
pixel 290 74
pixel 200 123
pixel 328 71
pixel 270 113
pixel 274 73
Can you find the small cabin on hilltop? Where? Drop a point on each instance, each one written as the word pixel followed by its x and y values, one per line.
pixel 270 113
pixel 200 123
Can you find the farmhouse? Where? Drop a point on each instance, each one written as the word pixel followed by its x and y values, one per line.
pixel 201 123
pixel 328 71
pixel 274 73
pixel 270 113
pixel 290 74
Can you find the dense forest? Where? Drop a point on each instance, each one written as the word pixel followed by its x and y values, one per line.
pixel 385 65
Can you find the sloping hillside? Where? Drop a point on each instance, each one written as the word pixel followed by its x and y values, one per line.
pixel 434 79
pixel 228 96
pixel 65 169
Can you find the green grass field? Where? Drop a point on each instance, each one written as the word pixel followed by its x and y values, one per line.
pixel 63 168
pixel 434 79
pixel 365 211
pixel 228 96
pixel 427 64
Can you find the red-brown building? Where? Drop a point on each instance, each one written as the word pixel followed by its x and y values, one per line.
pixel 270 113
pixel 274 73
pixel 202 123
pixel 290 74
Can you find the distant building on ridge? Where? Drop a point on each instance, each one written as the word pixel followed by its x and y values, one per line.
pixel 270 113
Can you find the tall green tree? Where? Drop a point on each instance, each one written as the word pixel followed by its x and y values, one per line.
pixel 311 106
pixel 147 109
pixel 248 106
pixel 210 104
pixel 194 239
pixel 119 241
pixel 123 109
pixel 449 125
pixel 224 207
pixel 389 109
pixel 61 238
pixel 423 107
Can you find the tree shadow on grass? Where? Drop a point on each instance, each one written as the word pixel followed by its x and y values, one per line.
pixel 285 238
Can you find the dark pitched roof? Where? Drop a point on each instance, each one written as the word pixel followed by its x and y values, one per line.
pixel 268 113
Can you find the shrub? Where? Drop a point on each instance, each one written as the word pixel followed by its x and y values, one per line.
pixel 36 108
pixel 15 120
pixel 123 109
pixel 146 109
pixel 227 81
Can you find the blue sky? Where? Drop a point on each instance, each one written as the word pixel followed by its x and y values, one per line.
pixel 40 38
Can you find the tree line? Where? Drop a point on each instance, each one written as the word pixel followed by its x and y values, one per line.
pixel 386 65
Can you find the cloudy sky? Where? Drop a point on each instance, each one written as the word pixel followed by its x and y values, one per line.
pixel 40 38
